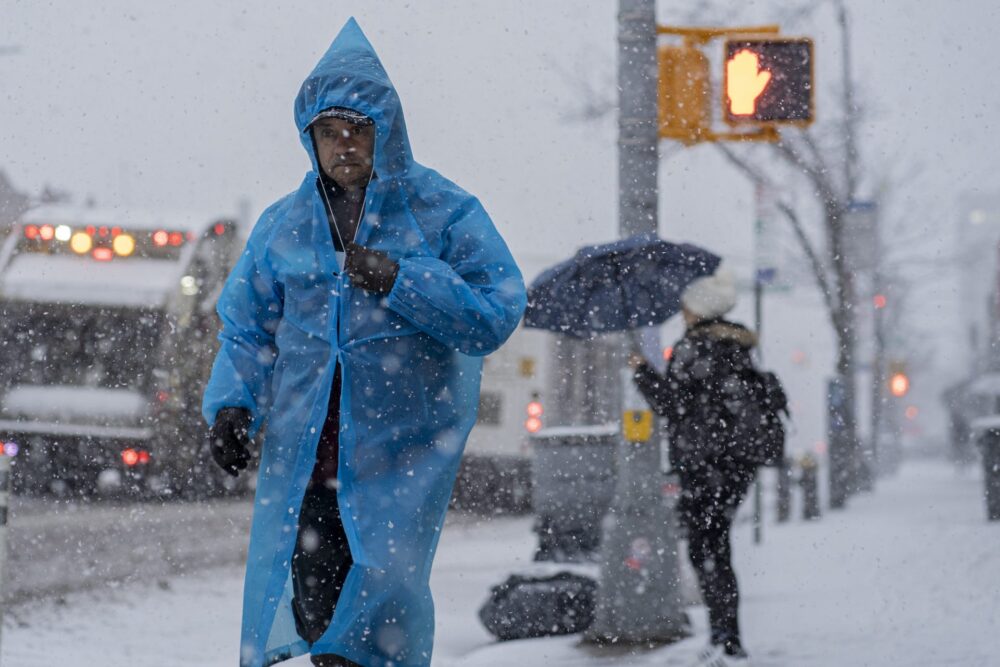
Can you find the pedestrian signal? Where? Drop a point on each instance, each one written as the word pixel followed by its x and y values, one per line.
pixel 768 80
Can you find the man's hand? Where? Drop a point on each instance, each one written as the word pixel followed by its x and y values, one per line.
pixel 229 437
pixel 370 270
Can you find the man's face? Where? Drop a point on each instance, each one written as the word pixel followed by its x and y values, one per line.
pixel 344 151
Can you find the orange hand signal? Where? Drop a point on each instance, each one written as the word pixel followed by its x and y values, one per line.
pixel 745 81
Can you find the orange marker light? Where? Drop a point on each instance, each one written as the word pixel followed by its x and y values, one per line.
pixel 124 244
pixel 899 384
pixel 81 243
pixel 745 82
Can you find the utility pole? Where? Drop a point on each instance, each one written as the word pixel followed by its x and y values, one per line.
pixel 849 478
pixel 758 325
pixel 4 502
pixel 638 599
pixel 879 303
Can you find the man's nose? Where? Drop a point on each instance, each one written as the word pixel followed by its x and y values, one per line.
pixel 343 147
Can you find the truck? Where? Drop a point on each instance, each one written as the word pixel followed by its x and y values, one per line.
pixel 495 475
pixel 107 336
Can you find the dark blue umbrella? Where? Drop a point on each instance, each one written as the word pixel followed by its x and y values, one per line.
pixel 635 282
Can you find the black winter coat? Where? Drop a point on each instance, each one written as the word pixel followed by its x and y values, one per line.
pixel 706 395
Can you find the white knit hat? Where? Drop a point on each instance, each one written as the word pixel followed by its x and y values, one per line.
pixel 711 296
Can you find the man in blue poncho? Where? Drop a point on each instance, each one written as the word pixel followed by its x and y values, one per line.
pixel 353 326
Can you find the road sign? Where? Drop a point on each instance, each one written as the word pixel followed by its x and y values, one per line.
pixel 768 80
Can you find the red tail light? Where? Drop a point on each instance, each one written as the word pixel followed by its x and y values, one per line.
pixel 130 457
pixel 103 254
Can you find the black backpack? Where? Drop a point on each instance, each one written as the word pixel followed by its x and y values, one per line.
pixel 524 607
pixel 767 438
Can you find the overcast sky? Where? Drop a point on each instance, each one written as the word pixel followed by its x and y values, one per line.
pixel 189 105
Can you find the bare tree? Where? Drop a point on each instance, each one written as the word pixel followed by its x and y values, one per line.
pixel 828 158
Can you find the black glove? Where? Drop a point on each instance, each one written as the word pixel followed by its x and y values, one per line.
pixel 370 270
pixel 228 438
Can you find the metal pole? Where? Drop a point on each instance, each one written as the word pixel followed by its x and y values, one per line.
pixel 850 148
pixel 878 361
pixel 758 324
pixel 638 600
pixel 4 499
pixel 638 129
pixel 783 507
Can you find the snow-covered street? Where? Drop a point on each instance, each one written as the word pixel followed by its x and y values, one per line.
pixel 909 575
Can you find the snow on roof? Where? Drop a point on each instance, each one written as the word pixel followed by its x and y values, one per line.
pixel 55 279
pixel 128 218
pixel 987 423
pixel 589 431
pixel 73 403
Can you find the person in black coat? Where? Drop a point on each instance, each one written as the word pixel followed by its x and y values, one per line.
pixel 704 395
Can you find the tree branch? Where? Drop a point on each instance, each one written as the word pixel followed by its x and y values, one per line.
pixel 815 263
pixel 814 172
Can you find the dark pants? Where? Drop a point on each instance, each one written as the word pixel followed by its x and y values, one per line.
pixel 322 554
pixel 708 509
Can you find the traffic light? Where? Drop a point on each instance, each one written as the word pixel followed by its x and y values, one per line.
pixel 768 80
pixel 684 104
pixel 533 423
pixel 899 384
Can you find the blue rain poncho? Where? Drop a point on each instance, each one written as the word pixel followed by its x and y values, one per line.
pixel 411 364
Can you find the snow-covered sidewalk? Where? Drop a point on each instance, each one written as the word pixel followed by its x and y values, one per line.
pixel 909 575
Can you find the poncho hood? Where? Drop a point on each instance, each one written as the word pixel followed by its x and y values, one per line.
pixel 351 75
